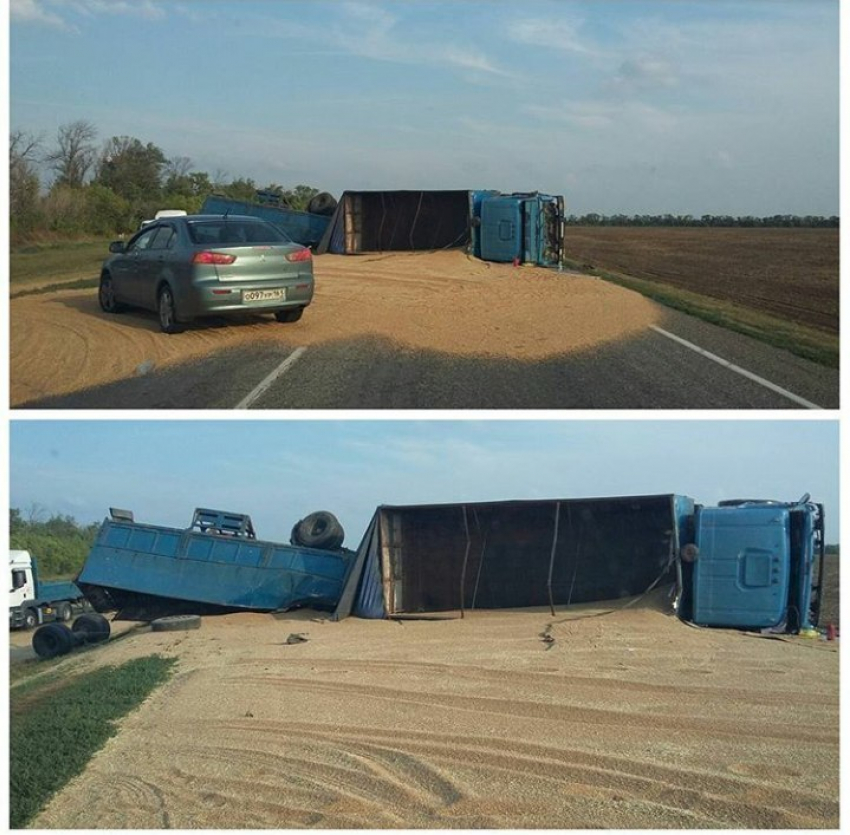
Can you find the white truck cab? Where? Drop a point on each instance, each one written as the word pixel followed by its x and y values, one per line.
pixel 22 585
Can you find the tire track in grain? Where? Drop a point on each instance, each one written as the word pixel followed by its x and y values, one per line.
pixel 557 679
pixel 573 714
pixel 717 799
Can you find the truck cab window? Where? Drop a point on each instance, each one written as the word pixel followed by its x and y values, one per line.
pixel 19 579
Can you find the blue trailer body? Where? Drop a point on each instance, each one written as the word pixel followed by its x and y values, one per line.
pixel 431 558
pixel 55 590
pixel 755 564
pixel 132 564
pixel 303 227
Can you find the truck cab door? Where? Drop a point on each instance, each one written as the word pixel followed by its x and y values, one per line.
pixel 22 587
pixel 742 572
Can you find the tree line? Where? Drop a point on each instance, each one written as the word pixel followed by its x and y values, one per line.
pixel 749 221
pixel 75 187
pixel 59 543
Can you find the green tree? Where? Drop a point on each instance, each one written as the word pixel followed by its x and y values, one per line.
pixel 300 196
pixel 241 189
pixel 106 212
pixel 130 169
pixel 59 543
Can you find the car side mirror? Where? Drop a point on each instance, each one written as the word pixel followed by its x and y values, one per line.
pixel 117 247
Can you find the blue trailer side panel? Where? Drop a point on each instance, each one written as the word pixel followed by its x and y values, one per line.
pixel 215 569
pixel 742 573
pixel 370 593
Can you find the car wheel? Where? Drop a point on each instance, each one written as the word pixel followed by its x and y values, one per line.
pixel 167 311
pixel 106 295
pixel 291 315
pixel 30 618
pixel 64 612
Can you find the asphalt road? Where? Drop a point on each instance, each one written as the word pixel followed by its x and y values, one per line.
pixel 649 371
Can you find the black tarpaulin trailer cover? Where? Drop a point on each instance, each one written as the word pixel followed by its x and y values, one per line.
pixel 398 221
pixel 492 555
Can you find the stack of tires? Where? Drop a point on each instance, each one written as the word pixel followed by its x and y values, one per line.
pixel 55 639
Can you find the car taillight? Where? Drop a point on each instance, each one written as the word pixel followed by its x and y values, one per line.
pixel 299 255
pixel 207 257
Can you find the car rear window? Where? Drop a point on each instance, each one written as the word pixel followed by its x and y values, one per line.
pixel 235 233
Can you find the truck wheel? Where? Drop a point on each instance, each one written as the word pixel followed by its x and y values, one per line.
pixel 64 612
pixel 318 530
pixel 322 204
pixel 52 640
pixel 291 315
pixel 30 619
pixel 92 629
pixel 176 623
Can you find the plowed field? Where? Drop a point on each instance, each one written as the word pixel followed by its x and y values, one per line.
pixel 790 273
pixel 629 719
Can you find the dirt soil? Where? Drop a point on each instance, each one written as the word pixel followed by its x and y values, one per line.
pixel 61 342
pixel 789 273
pixel 629 719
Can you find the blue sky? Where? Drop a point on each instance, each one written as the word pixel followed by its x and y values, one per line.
pixel 278 471
pixel 722 106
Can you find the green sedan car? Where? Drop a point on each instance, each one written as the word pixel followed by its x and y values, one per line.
pixel 208 265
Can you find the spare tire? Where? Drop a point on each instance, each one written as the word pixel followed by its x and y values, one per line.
pixel 318 530
pixel 92 629
pixel 322 204
pixel 176 623
pixel 52 640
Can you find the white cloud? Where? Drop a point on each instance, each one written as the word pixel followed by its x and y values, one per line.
pixel 556 34
pixel 601 115
pixel 55 13
pixel 369 31
pixel 137 8
pixel 32 11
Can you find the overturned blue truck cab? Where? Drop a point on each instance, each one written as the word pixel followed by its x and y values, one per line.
pixel 749 564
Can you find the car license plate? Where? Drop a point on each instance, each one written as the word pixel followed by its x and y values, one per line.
pixel 263 296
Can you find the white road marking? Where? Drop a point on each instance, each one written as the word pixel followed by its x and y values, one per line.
pixel 737 369
pixel 265 384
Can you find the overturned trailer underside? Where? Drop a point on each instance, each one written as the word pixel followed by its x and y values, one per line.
pixel 492 555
